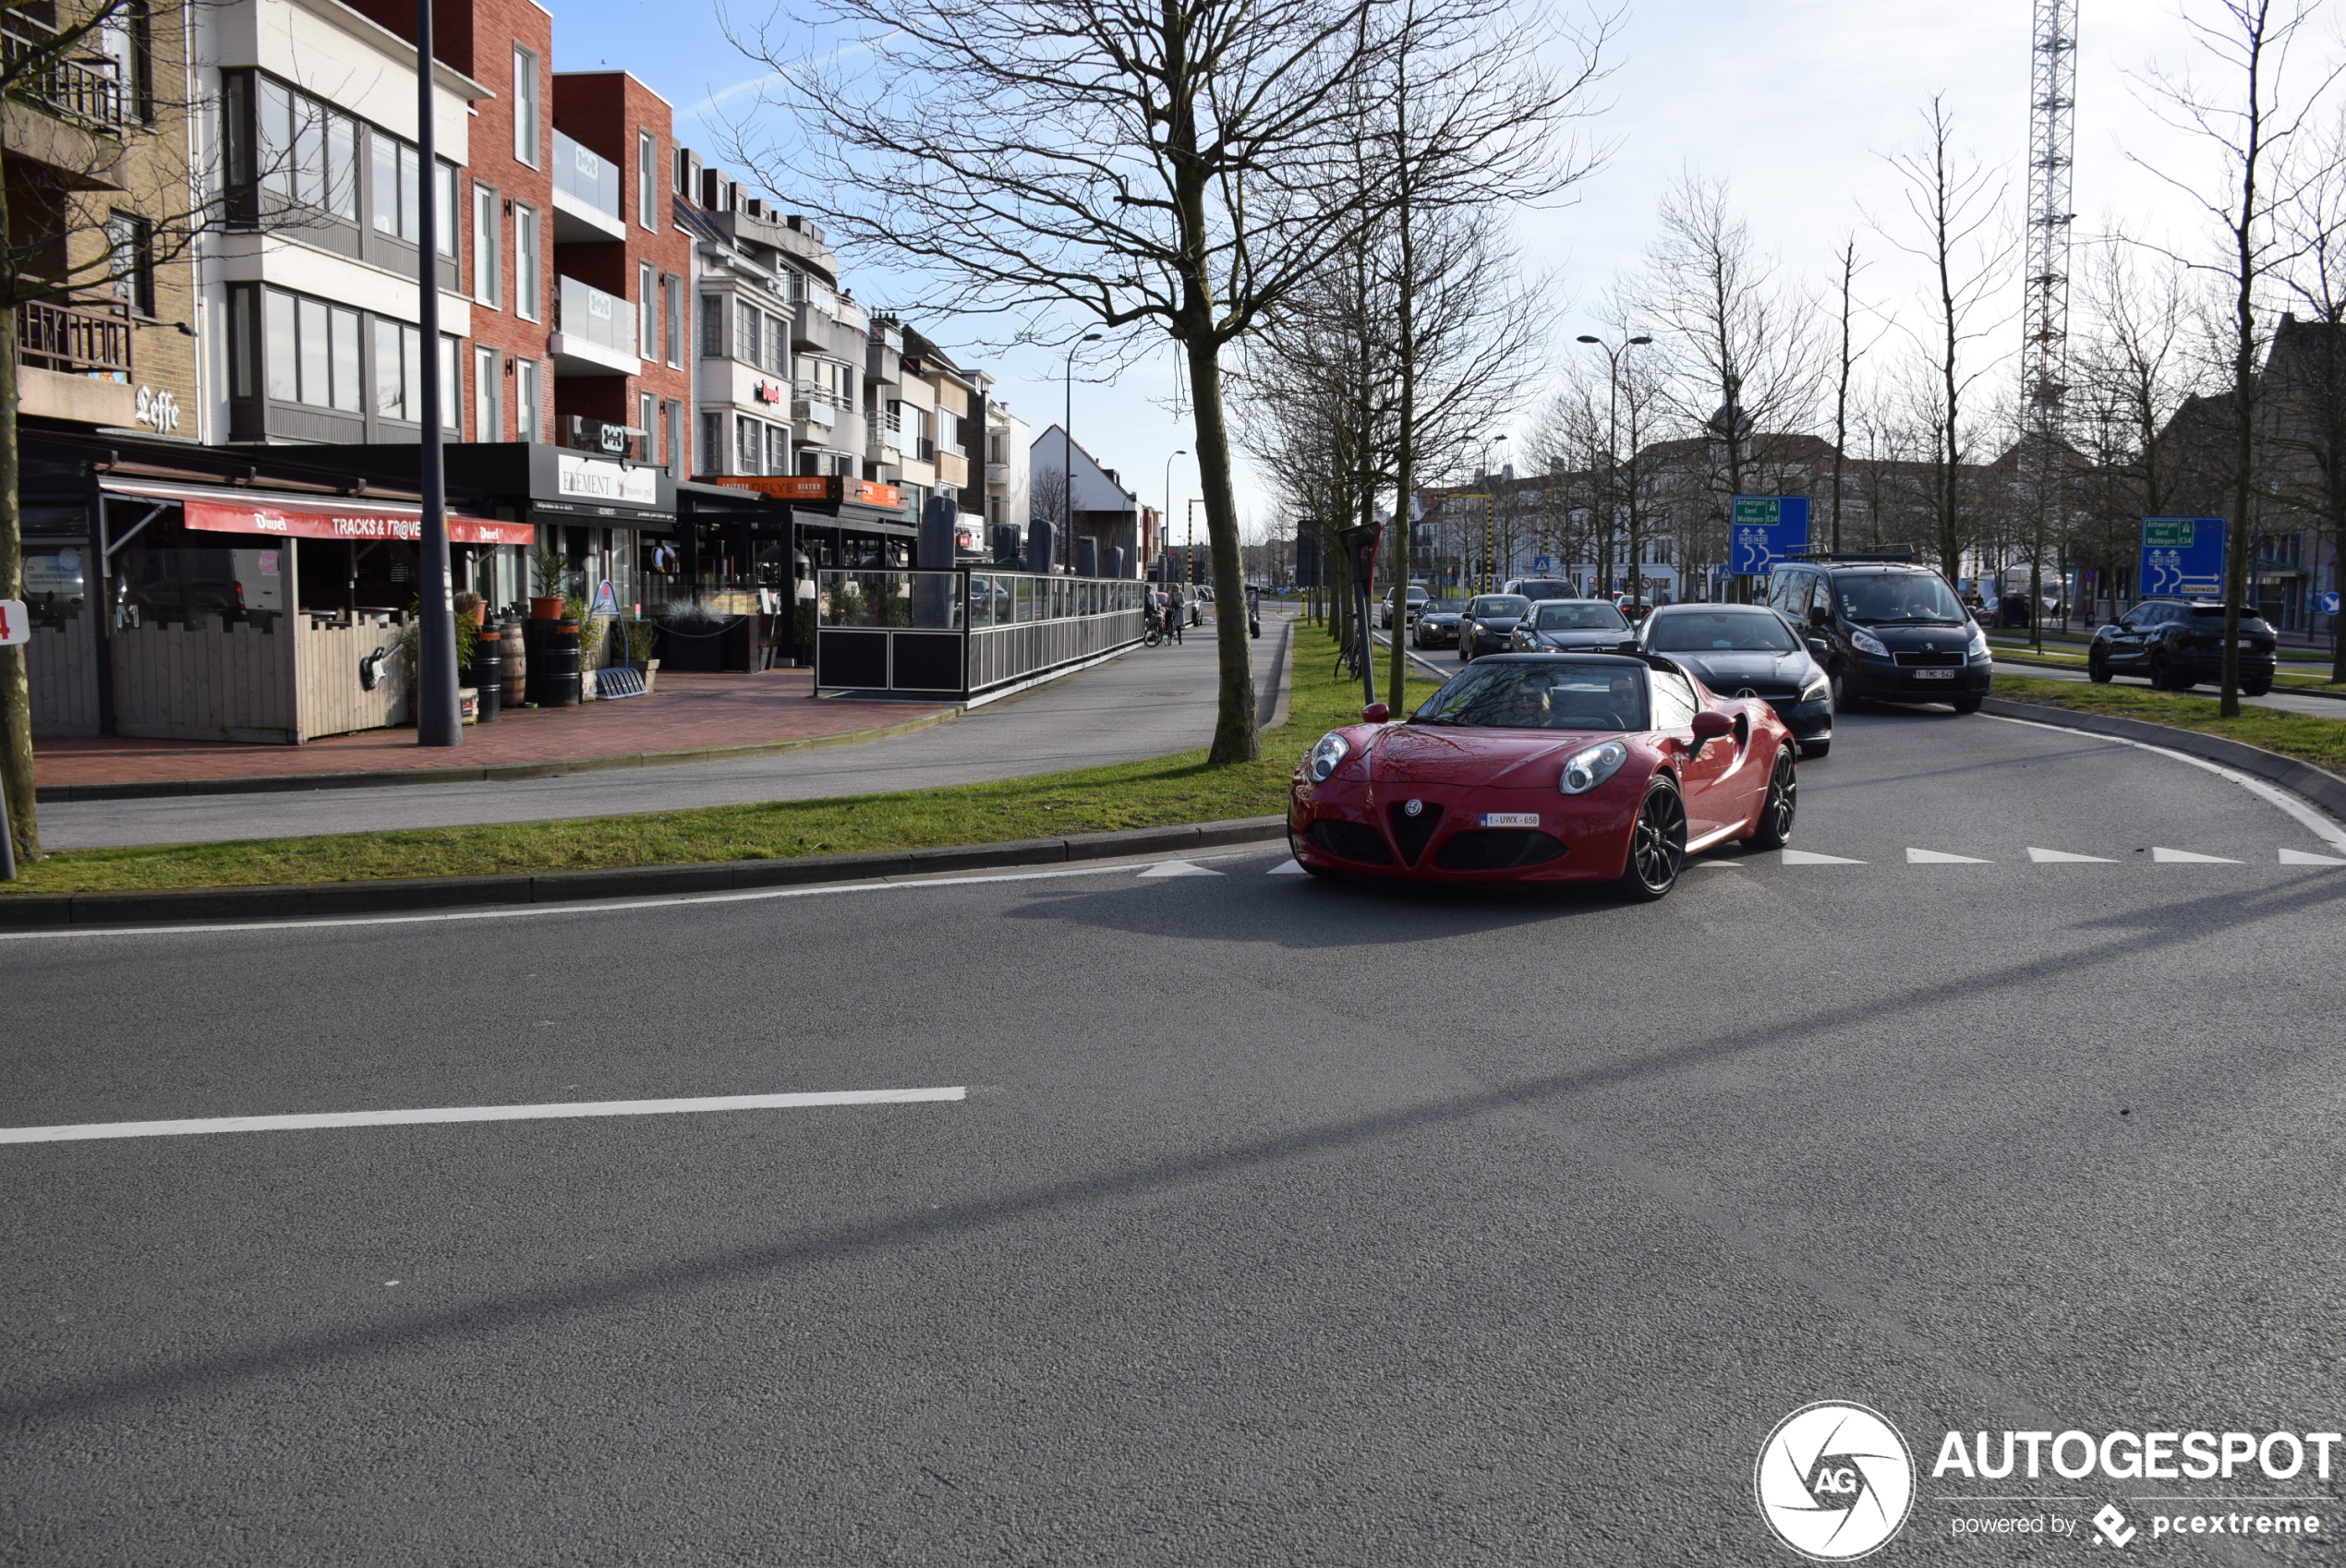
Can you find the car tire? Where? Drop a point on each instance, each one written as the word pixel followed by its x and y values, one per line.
pixel 1841 699
pixel 2097 667
pixel 1811 750
pixel 2162 678
pixel 2254 688
pixel 1657 844
pixel 1464 656
pixel 1968 704
pixel 1780 805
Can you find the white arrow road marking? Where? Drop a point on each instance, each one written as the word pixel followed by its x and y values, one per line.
pixel 2062 857
pixel 2185 857
pixel 1295 868
pixel 475 1113
pixel 1939 857
pixel 2299 857
pixel 1809 857
pixel 1178 868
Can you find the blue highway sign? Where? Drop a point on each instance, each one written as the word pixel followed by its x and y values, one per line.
pixel 1767 529
pixel 2182 556
pixel 2325 604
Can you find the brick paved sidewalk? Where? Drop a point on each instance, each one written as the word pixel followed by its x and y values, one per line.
pixel 685 713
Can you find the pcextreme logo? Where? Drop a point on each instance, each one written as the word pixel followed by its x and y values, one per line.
pixel 1834 1480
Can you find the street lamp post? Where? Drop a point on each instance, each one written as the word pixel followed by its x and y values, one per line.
pixel 1164 518
pixel 1612 465
pixel 1067 453
pixel 438 723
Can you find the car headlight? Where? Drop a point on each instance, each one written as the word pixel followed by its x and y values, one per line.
pixel 1868 643
pixel 1977 647
pixel 1587 769
pixel 1327 757
pixel 1817 690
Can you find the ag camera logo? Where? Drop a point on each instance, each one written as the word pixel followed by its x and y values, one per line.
pixel 1834 1480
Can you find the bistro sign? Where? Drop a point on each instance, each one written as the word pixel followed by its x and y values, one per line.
pixel 593 478
pixel 213 517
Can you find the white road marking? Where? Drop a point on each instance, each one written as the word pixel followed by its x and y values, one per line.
pixel 1287 868
pixel 2062 857
pixel 2313 821
pixel 523 911
pixel 1179 868
pixel 2185 857
pixel 1939 857
pixel 1809 857
pixel 475 1113
pixel 2299 857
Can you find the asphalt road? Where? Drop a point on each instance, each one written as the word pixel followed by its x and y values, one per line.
pixel 1282 1221
pixel 1145 703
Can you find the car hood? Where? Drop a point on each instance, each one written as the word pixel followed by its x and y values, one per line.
pixel 1923 639
pixel 1607 641
pixel 1449 615
pixel 1500 622
pixel 1422 754
pixel 1727 670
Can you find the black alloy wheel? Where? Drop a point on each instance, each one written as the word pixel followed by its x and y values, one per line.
pixel 1777 811
pixel 2252 687
pixel 2164 677
pixel 1840 680
pixel 1657 844
pixel 2097 666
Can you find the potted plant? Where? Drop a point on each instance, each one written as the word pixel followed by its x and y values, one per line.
pixel 551 570
pixel 643 636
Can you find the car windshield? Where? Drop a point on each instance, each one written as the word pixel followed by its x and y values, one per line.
pixel 1876 598
pixel 1541 695
pixel 1721 631
pixel 1491 606
pixel 1443 607
pixel 1585 615
pixel 1546 589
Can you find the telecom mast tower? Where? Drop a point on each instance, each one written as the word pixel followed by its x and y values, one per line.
pixel 2052 106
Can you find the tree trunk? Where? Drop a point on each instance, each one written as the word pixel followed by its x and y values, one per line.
pixel 16 685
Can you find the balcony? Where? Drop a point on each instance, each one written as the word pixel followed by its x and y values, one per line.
pixel 78 85
pixel 997 474
pixel 586 195
pixel 594 331
pixel 76 340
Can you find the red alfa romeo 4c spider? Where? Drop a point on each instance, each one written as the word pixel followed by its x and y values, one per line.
pixel 1546 767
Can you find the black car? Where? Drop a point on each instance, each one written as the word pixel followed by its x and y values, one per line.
pixel 2178 643
pixel 1893 632
pixel 1436 625
pixel 1488 620
pixel 1749 650
pixel 1570 626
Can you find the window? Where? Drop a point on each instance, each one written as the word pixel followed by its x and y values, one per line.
pixel 646 316
pixel 313 352
pixel 309 153
pixel 484 245
pixel 647 181
pixel 748 332
pixel 130 240
pixel 672 434
pixel 672 299
pixel 445 187
pixel 487 386
pixel 529 420
pixel 712 443
pixel 748 446
pixel 524 106
pixel 1674 703
pixel 382 156
pixel 776 450
pixel 451 387
pixel 390 392
pixel 526 262
pixel 712 326
pixel 647 422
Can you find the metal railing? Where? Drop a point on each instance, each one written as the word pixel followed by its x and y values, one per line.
pixel 79 340
pixel 83 86
pixel 585 175
pixel 965 634
pixel 582 310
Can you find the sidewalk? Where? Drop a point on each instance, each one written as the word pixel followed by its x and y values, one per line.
pixel 684 715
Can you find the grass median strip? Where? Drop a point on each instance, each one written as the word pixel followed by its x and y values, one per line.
pixel 1159 793
pixel 2321 741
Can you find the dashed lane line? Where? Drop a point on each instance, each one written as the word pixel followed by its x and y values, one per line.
pixel 1939 857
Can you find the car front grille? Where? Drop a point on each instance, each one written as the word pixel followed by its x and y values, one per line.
pixel 1351 840
pixel 1497 848
pixel 1930 661
pixel 1412 833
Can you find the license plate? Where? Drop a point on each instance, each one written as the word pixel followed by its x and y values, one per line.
pixel 1510 819
pixel 1934 674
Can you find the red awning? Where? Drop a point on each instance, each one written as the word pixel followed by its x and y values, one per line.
pixel 210 511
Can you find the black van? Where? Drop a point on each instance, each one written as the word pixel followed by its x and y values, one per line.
pixel 1893 632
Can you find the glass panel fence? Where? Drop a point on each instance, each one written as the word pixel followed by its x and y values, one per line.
pixel 929 601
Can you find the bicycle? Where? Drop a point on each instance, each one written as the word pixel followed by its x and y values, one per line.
pixel 1348 661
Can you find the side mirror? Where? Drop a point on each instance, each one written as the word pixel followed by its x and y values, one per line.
pixel 1375 712
pixel 1710 725
pixel 1819 648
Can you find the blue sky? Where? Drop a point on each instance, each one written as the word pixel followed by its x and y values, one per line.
pixel 1793 101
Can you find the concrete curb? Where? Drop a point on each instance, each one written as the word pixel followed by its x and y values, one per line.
pixel 312 900
pixel 2319 786
pixel 377 778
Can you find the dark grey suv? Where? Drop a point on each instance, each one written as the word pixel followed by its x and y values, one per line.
pixel 2176 644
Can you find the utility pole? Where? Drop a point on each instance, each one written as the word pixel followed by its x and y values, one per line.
pixel 2052 108
pixel 438 722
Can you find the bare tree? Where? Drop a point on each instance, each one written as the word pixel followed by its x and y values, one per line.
pixel 1953 203
pixel 2251 122
pixel 2307 371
